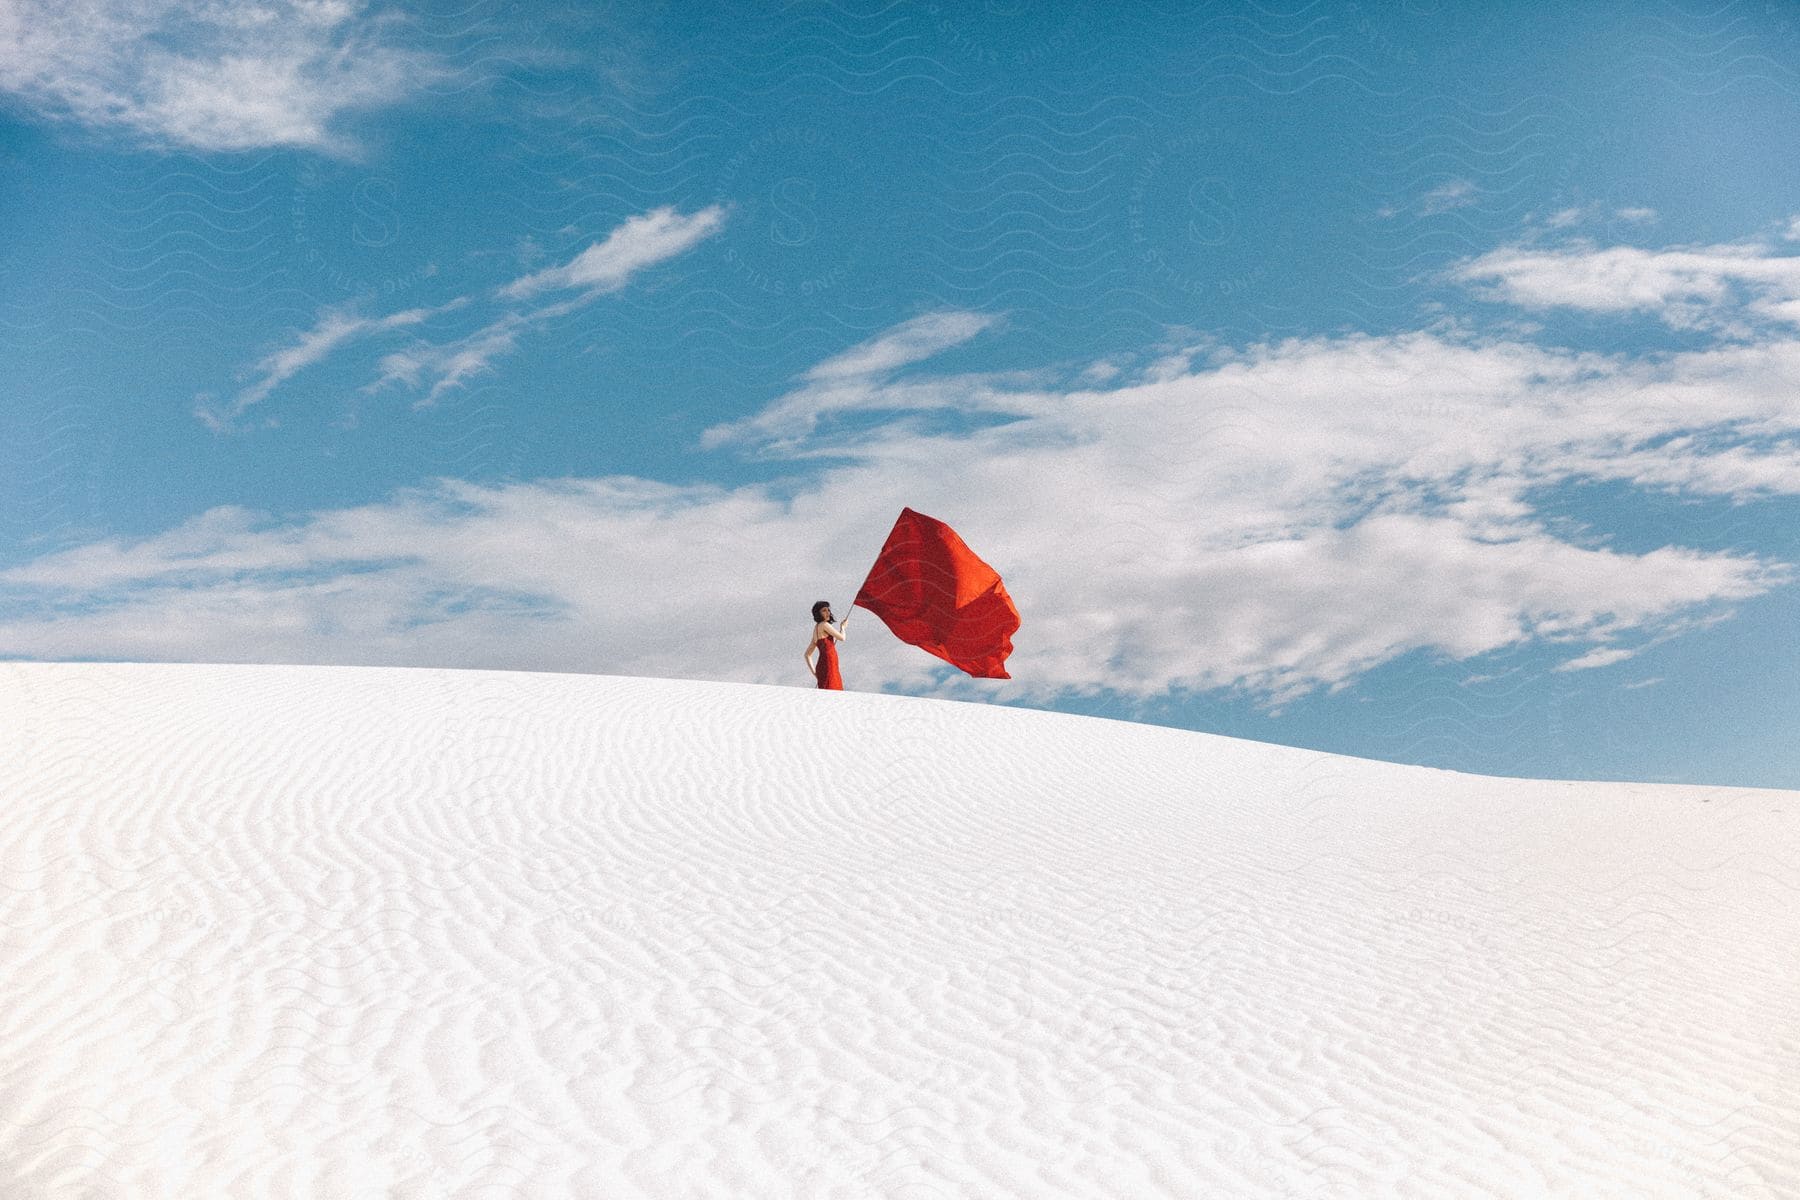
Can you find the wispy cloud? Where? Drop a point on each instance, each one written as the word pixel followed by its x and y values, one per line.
pixel 1568 218
pixel 860 379
pixel 1456 193
pixel 335 327
pixel 1705 287
pixel 640 242
pixel 1445 197
pixel 441 367
pixel 1600 656
pixel 204 75
pixel 909 342
pixel 637 244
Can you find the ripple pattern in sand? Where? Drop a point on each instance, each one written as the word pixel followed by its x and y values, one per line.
pixel 359 933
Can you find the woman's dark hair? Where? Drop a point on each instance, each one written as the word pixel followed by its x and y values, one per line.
pixel 816 607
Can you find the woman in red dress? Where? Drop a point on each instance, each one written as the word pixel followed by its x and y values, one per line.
pixel 824 639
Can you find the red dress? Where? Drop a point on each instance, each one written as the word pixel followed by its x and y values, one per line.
pixel 827 667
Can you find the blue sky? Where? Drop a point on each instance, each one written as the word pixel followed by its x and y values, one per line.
pixel 1413 381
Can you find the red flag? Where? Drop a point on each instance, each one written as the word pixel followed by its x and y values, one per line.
pixel 934 593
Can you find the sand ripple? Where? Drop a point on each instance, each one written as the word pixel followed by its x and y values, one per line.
pixel 361 933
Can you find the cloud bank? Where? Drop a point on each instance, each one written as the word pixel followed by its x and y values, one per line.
pixel 1278 518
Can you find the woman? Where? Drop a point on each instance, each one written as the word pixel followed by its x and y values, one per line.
pixel 823 637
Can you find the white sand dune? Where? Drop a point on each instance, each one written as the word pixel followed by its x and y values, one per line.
pixel 345 932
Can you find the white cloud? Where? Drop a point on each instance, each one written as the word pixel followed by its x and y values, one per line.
pixel 1457 193
pixel 640 242
pixel 636 244
pixel 206 75
pixel 906 343
pixel 1709 287
pixel 1684 465
pixel 335 327
pixel 858 379
pixel 1568 217
pixel 1600 656
pixel 452 363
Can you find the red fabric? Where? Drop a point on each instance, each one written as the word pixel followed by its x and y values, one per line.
pixel 934 593
pixel 827 666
